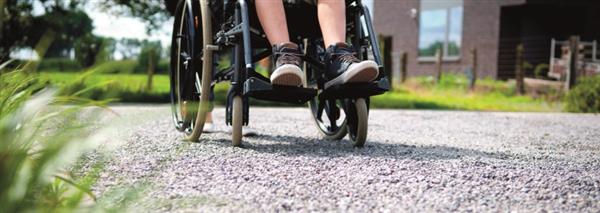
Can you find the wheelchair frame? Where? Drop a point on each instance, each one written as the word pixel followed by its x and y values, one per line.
pixel 237 35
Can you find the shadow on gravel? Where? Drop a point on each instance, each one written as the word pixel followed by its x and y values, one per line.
pixel 291 145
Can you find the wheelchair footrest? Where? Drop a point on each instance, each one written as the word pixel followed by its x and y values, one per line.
pixel 356 90
pixel 260 89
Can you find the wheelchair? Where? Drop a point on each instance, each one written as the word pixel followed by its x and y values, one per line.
pixel 206 30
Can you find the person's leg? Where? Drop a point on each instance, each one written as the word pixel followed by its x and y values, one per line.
pixel 271 15
pixel 342 64
pixel 332 18
pixel 272 18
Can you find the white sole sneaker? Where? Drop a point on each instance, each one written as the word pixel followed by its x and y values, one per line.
pixel 209 128
pixel 365 71
pixel 287 75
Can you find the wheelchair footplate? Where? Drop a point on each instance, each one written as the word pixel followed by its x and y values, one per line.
pixel 263 90
pixel 356 90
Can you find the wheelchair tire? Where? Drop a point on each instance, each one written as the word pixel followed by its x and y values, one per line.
pixel 237 121
pixel 358 121
pixel 183 69
pixel 207 69
pixel 324 126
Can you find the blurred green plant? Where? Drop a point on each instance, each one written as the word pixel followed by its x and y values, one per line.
pixel 116 67
pixel 585 96
pixel 60 64
pixel 41 133
pixel 541 71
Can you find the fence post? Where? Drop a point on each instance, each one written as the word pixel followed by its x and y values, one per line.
pixel 594 46
pixel 438 65
pixel 150 68
pixel 404 61
pixel 474 67
pixel 396 68
pixel 573 58
pixel 519 72
pixel 385 44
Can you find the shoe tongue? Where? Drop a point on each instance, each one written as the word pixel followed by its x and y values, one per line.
pixel 342 45
pixel 289 45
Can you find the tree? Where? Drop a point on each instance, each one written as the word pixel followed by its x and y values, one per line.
pixel 129 47
pixel 61 20
pixel 69 25
pixel 148 59
pixel 154 12
pixel 91 49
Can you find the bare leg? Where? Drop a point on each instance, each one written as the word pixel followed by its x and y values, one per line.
pixel 209 118
pixel 272 18
pixel 332 18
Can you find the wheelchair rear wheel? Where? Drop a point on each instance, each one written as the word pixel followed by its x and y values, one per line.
pixel 191 67
pixel 183 85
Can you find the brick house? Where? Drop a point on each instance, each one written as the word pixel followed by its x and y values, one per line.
pixel 494 27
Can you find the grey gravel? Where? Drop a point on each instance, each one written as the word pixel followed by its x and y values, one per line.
pixel 413 161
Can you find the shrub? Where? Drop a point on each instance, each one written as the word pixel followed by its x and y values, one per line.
pixel 59 64
pixel 124 66
pixel 161 68
pixel 585 96
pixel 541 71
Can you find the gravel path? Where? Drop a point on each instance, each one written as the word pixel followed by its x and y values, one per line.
pixel 413 161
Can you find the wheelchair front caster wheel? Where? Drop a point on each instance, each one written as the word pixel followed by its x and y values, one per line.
pixel 237 120
pixel 358 121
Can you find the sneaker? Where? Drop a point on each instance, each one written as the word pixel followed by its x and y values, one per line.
pixel 343 66
pixel 246 131
pixel 287 71
pixel 209 128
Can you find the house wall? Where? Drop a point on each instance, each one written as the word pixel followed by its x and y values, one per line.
pixel 481 26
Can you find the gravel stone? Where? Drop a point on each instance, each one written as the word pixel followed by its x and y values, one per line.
pixel 413 161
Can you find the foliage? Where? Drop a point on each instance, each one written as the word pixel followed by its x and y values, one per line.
pixel 123 87
pixel 129 47
pixel 117 67
pixel 453 93
pixel 20 28
pixel 91 50
pixel 69 25
pixel 585 96
pixel 149 54
pixel 417 93
pixel 59 64
pixel 541 71
pixel 152 12
pixel 41 134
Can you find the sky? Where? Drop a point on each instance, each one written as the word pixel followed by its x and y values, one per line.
pixel 109 25
pixel 118 27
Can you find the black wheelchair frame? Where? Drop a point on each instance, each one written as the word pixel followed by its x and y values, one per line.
pixel 239 33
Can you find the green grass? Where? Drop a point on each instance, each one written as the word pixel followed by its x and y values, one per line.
pixel 417 93
pixel 453 93
pixel 120 87
pixel 130 82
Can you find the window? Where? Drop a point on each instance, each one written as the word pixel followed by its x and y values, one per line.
pixel 440 26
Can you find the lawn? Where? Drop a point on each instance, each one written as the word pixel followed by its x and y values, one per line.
pixel 131 82
pixel 417 93
pixel 453 93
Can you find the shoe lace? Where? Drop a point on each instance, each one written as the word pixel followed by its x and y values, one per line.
pixel 348 58
pixel 346 55
pixel 288 58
